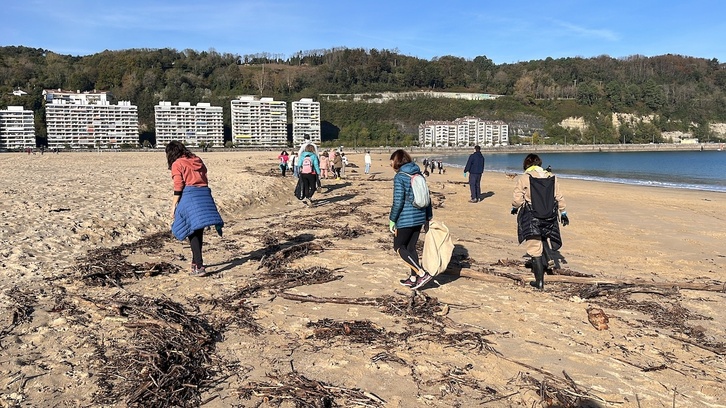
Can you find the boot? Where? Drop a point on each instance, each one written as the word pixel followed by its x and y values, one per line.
pixel 538 269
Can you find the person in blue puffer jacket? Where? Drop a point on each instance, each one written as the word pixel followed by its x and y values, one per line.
pixel 406 221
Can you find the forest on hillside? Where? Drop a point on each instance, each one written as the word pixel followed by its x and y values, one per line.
pixel 676 93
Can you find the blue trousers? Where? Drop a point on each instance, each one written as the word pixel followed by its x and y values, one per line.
pixel 475 185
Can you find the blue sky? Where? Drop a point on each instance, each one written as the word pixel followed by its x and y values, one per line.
pixel 504 31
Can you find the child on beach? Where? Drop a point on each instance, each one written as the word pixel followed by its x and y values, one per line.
pixel 538 201
pixel 192 207
pixel 324 165
pixel 283 158
pixel 406 221
pixel 337 165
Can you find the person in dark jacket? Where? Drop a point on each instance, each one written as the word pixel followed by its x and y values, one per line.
pixel 538 201
pixel 475 168
pixel 406 221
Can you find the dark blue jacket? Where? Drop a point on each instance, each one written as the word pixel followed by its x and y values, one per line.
pixel 403 213
pixel 475 164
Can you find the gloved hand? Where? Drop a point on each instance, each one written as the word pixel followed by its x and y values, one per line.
pixel 425 228
pixel 514 210
pixel 466 174
pixel 564 219
pixel 391 226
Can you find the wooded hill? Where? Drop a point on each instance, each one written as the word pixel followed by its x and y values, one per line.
pixel 683 93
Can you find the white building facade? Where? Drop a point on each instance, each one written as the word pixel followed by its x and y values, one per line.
pixel 259 121
pixel 88 120
pixel 190 124
pixel 17 128
pixel 305 120
pixel 463 132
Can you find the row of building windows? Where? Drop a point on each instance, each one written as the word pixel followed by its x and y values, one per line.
pixel 83 119
pixel 463 132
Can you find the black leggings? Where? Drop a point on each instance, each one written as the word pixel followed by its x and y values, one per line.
pixel 309 183
pixel 404 243
pixel 196 240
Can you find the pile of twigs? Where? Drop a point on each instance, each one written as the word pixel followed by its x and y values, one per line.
pixel 562 393
pixel 346 232
pixel 286 255
pixel 108 266
pixel 359 331
pixel 21 309
pixel 166 361
pixel 307 393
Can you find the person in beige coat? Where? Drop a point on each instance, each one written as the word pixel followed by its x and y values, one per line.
pixel 538 201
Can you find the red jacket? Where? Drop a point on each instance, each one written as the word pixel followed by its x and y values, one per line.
pixel 188 171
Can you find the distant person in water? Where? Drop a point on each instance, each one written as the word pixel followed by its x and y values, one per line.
pixel 192 206
pixel 538 201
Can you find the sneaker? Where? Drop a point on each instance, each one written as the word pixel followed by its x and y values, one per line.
pixel 473 200
pixel 422 280
pixel 198 271
pixel 409 282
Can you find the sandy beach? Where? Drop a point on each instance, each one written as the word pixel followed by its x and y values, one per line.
pixel 303 305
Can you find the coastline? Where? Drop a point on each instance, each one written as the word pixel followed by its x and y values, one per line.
pixel 65 206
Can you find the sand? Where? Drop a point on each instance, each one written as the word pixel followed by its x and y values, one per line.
pixel 490 339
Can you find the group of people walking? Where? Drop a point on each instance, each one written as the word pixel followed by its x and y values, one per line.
pixel 332 164
pixel 537 201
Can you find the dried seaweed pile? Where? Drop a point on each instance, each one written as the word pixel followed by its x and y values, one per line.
pixel 417 306
pixel 359 331
pixel 305 393
pixel 21 310
pixel 167 358
pixel 286 278
pixel 347 232
pixel 108 266
pixel 286 255
pixel 456 379
pixel 561 393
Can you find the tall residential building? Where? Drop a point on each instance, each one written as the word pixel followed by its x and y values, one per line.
pixel 259 121
pixel 17 128
pixel 189 124
pixel 462 132
pixel 305 120
pixel 87 119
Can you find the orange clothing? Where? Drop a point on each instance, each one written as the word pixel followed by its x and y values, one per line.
pixel 188 171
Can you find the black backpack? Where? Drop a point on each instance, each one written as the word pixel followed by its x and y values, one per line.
pixel 542 191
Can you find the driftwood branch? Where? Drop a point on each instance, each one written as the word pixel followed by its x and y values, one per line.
pixel 338 300
pixel 716 350
pixel 634 286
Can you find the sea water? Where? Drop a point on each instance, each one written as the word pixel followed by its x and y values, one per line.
pixel 698 170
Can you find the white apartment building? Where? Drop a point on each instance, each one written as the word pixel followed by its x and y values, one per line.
pixel 496 133
pixel 305 120
pixel 463 132
pixel 88 120
pixel 190 124
pixel 17 128
pixel 436 133
pixel 259 121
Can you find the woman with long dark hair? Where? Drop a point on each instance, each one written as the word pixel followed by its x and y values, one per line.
pixel 192 207
pixel 406 221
